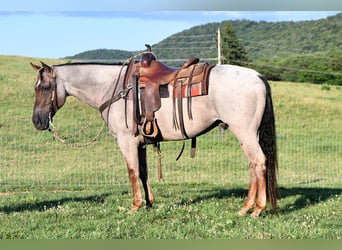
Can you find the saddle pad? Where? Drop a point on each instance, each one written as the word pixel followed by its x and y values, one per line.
pixel 198 86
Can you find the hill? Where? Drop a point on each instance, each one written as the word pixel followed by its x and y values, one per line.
pixel 267 40
pixel 261 39
pixel 103 54
pixel 273 47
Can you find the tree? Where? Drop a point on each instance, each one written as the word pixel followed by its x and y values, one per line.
pixel 231 49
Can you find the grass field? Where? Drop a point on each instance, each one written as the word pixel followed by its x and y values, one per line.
pixel 49 190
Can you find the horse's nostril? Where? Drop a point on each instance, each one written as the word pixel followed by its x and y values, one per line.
pixel 36 121
pixel 39 123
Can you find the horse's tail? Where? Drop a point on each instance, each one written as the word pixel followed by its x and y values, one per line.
pixel 268 143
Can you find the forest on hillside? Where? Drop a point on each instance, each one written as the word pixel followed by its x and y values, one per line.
pixel 304 51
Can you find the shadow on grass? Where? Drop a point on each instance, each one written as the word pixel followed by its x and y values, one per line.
pixel 44 205
pixel 303 196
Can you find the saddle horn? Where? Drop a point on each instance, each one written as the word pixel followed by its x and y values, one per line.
pixel 149 48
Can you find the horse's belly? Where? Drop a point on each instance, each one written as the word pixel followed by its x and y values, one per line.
pixel 202 112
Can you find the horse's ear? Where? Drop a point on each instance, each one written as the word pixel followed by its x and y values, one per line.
pixel 48 68
pixel 45 66
pixel 35 67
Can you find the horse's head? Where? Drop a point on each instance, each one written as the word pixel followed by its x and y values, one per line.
pixel 48 101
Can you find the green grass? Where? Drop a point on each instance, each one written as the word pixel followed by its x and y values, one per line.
pixel 50 190
pixel 182 211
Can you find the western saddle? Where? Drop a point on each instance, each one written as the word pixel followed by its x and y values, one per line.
pixel 153 78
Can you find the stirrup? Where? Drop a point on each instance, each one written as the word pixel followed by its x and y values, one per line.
pixel 150 128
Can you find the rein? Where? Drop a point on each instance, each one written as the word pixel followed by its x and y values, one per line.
pixel 63 139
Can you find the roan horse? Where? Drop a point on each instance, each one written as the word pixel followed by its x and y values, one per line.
pixel 238 97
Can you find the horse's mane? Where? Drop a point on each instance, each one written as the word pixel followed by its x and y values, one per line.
pixel 89 63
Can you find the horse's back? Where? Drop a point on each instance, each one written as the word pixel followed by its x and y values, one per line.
pixel 234 75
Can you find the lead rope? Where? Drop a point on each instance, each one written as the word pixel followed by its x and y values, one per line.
pixel 53 130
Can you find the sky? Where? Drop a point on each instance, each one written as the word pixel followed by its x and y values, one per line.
pixel 55 29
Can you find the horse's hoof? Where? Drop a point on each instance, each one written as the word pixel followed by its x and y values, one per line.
pixel 134 209
pixel 254 215
pixel 257 211
pixel 148 207
pixel 242 212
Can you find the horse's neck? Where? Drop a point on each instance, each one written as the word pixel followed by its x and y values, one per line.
pixel 92 84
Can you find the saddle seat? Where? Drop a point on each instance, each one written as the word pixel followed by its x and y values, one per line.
pixel 154 71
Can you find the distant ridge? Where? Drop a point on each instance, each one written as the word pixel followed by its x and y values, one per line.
pixel 303 51
pixel 103 54
pixel 260 39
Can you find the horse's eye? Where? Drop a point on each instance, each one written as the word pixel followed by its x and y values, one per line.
pixel 45 88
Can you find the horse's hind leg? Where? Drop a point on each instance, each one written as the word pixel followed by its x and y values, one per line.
pixel 257 168
pixel 250 200
pixel 260 172
pixel 143 174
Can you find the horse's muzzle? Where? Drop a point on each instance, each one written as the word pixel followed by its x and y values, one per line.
pixel 41 122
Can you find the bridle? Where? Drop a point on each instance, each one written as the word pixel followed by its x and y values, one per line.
pixel 53 105
pixel 54 102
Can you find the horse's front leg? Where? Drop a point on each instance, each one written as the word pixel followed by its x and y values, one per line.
pixel 143 173
pixel 129 149
pixel 133 174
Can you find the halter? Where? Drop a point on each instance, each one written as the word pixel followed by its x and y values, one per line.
pixel 54 102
